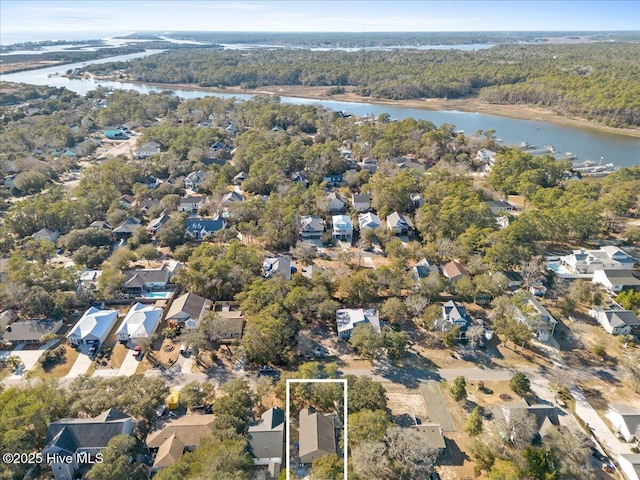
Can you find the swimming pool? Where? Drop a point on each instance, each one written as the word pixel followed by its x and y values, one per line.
pixel 158 295
pixel 553 266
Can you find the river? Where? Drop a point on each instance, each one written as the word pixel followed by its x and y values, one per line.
pixel 585 144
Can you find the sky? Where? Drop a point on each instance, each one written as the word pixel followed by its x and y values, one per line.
pixel 21 20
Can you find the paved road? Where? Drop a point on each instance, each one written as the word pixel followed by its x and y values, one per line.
pixel 436 405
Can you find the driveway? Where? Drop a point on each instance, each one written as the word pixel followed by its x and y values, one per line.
pixel 600 430
pixel 82 363
pixel 29 357
pixel 129 364
pixel 436 405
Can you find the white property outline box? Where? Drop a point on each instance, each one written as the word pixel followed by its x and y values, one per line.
pixel 288 420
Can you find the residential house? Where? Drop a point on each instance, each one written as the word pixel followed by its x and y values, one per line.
pixel 150 182
pixel 232 129
pixel 30 331
pixel 266 440
pixel 219 150
pixel 301 178
pixel 369 221
pixel 140 324
pixel 81 439
pixel 500 206
pixel 538 289
pixel 370 164
pixel 399 224
pixel 630 465
pixel 360 201
pixel 457 316
pixel 45 234
pixel 545 416
pixel 606 258
pixel 454 271
pixel 485 156
pixel 229 321
pixel 423 269
pixel 239 178
pixel 334 203
pixel 194 179
pixel 147 279
pixel 333 180
pixel 538 319
pixel 316 435
pixel 277 266
pixel 146 205
pixel 126 201
pixel 616 321
pixel 101 224
pixel 127 227
pixel 156 224
pixel 347 319
pixel 416 201
pixel 198 228
pixel 148 149
pixel 625 421
pixel 514 278
pixel 616 280
pixel 233 196
pixel 188 310
pixel 192 204
pixel 342 228
pixel 311 227
pixel 168 442
pixel 93 327
pixel 433 436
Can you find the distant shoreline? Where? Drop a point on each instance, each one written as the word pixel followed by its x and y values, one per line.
pixel 471 105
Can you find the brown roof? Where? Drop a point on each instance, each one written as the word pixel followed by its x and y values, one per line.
pixel 188 429
pixel 188 304
pixel 170 451
pixel 454 269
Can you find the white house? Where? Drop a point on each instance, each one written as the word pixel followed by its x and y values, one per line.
pixel 192 204
pixel 485 156
pixel 500 206
pixel 347 319
pixel 342 228
pixel 140 323
pixel 630 464
pixel 615 321
pixel 538 319
pixel 625 421
pixel 616 280
pixel 311 227
pixel 148 149
pixel 93 327
pixel 277 266
pixel 370 164
pixel 232 197
pixel 369 221
pixel 360 202
pixel 588 261
pixel 194 179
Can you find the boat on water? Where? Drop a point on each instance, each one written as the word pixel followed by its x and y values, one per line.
pixel 569 155
pixel 586 163
pixel 596 170
pixel 526 145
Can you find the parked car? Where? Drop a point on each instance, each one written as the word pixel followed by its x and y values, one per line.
pixel 137 351
pixel 93 350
